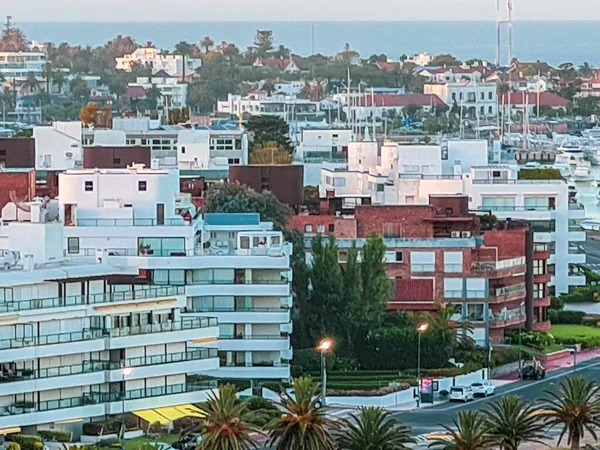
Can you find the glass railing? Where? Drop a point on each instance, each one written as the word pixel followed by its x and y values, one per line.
pixel 92 299
pixel 99 366
pixel 25 407
pixel 507 315
pixel 131 222
pixel 513 181
pixel 95 333
pixel 202 309
pixel 202 282
pixel 507 290
pixel 253 337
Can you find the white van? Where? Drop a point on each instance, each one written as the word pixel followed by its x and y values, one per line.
pixel 461 394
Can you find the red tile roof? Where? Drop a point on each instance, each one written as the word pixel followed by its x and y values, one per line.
pixel 402 100
pixel 546 99
pixel 136 92
pixel 389 66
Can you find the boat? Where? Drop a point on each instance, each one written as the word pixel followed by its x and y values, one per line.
pixel 572 151
pixel 583 172
pixel 562 164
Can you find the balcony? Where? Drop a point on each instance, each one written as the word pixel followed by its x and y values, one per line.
pixel 245 315
pixel 99 372
pixel 506 318
pixel 248 288
pixel 132 222
pixel 67 343
pixel 149 293
pixel 508 293
pixel 541 302
pixel 499 269
pixel 542 278
pixel 95 404
pixel 254 343
pixel 514 181
pixel 273 371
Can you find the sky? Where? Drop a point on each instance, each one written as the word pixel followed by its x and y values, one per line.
pixel 293 10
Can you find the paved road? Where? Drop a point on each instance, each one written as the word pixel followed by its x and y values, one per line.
pixel 429 419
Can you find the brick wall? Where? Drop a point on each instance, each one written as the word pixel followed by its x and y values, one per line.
pixel 405 221
pixel 22 183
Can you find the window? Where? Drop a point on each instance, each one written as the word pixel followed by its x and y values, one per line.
pixel 482 95
pixel 328 180
pixel 331 228
pixel 321 228
pixel 89 186
pixel 539 290
pixel 308 228
pixel 475 312
pixel 380 187
pixel 399 256
pixel 73 245
pixel 453 262
pixel 183 150
pixel 391 230
pixel 477 288
pixel 490 110
pixel 422 261
pixel 453 287
pixel 116 161
pixel 539 267
pixel 343 255
pixel 142 186
pixel 538 203
pixel 498 203
pixel 490 96
pixel 339 182
pixel 496 174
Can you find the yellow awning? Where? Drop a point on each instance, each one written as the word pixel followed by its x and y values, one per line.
pixel 169 413
pixel 151 416
pixel 5 431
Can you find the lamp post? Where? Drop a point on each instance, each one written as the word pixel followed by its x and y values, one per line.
pixel 125 372
pixel 421 328
pixel 325 346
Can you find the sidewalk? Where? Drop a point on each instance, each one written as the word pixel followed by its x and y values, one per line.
pixel 561 363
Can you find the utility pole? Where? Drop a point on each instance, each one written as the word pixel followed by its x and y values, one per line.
pixel 8 27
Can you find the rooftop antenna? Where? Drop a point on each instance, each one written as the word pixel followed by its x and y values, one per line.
pixel 373 113
pixel 313 38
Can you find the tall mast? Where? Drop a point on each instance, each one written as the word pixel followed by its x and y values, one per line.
pixel 373 114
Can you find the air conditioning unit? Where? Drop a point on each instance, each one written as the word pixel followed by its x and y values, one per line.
pixel 466 234
pixel 455 234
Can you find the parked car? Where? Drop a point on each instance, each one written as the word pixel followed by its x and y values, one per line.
pixel 483 388
pixel 461 394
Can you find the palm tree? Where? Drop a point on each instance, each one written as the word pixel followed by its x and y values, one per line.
pixel 302 425
pixel 183 48
pixel 31 83
pixel 226 424
pixel 451 332
pixel 574 405
pixel 511 421
pixel 470 432
pixel 586 70
pixel 48 72
pixel 207 43
pixel 153 94
pixel 374 429
pixel 59 80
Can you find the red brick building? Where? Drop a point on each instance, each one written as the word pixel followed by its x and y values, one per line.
pixel 18 184
pixel 17 153
pixel 438 252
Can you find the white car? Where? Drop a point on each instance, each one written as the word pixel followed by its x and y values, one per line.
pixel 483 388
pixel 461 394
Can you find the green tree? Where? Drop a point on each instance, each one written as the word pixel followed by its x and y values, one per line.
pixel 352 293
pixel 586 70
pixel 79 90
pixel 31 83
pixel 470 432
pixel 375 283
pixel 445 59
pixel 59 80
pixel 153 94
pixel 576 407
pixel 269 153
pixel 451 333
pixel 374 429
pixel 413 111
pixel 512 421
pixel 48 75
pixel 267 128
pixel 207 44
pixel 300 279
pixel 227 424
pixel 263 40
pixel 183 48
pixel 236 198
pixel 302 424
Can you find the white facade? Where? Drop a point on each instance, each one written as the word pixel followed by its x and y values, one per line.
pixel 420 59
pixel 479 98
pixel 67 328
pixel 58 147
pixel 151 57
pixel 410 174
pixel 17 65
pixel 319 145
pixel 289 88
pixel 173 93
pixel 284 106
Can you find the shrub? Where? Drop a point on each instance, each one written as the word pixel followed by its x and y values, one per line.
pixel 534 339
pixel 257 403
pixel 586 342
pixel 368 393
pixel 101 428
pixel 541 173
pixel 26 442
pixel 557 303
pixel 504 356
pixel 55 435
pixel 13 446
pixel 566 317
pixel 185 423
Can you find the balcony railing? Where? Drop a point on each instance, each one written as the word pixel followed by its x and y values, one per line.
pixel 493 266
pixel 232 309
pixel 92 299
pixel 172 222
pixel 507 290
pixel 26 407
pixel 516 208
pixel 208 282
pixel 100 366
pixel 513 181
pixel 512 315
pixel 273 337
pixel 97 333
pixel 576 206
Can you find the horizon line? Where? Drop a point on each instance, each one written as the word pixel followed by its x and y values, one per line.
pixel 303 21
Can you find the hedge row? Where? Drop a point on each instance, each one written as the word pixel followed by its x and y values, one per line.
pixel 55 435
pixel 586 342
pixel 26 442
pixel 566 317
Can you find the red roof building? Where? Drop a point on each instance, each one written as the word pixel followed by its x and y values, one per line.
pixel 136 92
pixel 400 100
pixel 388 66
pixel 531 98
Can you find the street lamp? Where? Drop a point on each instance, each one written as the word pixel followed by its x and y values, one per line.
pixel 421 328
pixel 324 346
pixel 125 372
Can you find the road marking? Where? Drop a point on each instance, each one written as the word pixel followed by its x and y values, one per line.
pixel 524 386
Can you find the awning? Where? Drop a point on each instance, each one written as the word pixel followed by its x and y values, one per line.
pixel 169 413
pixel 5 431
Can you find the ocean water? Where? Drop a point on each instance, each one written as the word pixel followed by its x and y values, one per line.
pixel 555 42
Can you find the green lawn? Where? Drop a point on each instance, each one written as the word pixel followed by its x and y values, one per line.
pixel 549 349
pixel 577 332
pixel 137 443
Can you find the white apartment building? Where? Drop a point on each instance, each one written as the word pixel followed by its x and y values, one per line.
pixel 17 65
pixel 289 88
pixel 420 59
pixel 229 266
pixel 69 326
pixel 172 93
pixel 203 147
pixel 259 103
pixel 480 99
pixel 58 147
pixel 152 57
pixel 409 174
